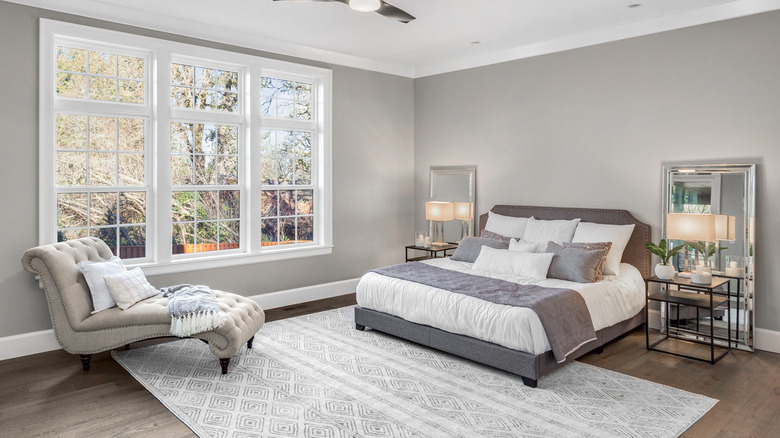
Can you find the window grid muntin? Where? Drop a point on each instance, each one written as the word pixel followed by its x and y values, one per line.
pixel 278 216
pixel 117 225
pixel 274 99
pixel 294 157
pixel 88 149
pixel 206 64
pixel 144 80
pixel 217 156
pixel 219 220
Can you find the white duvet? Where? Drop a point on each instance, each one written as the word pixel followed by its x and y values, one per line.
pixel 609 301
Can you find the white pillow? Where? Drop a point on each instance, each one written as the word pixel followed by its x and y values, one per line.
pixel 504 261
pixel 617 234
pixel 94 272
pixel 128 288
pixel 557 231
pixel 523 246
pixel 506 225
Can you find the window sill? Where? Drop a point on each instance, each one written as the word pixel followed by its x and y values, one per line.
pixel 223 261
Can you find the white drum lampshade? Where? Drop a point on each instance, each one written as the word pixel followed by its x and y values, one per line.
pixel 439 211
pixel 463 211
pixel 690 227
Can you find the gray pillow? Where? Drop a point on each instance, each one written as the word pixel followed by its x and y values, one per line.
pixel 469 248
pixel 574 264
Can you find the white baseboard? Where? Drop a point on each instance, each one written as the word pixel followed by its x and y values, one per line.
pixel 45 340
pixel 289 297
pixel 767 340
pixel 27 344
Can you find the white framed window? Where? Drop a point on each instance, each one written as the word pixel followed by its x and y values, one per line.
pixel 289 198
pixel 181 157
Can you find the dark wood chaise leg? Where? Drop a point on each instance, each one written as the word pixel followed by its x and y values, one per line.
pixel 598 350
pixel 360 327
pixel 85 358
pixel 249 342
pixel 529 382
pixel 224 363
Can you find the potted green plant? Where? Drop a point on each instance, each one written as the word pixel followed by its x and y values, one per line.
pixel 664 270
pixel 705 253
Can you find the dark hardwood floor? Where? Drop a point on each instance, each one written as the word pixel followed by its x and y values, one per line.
pixel 48 395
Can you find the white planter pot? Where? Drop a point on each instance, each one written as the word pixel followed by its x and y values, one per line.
pixel 665 272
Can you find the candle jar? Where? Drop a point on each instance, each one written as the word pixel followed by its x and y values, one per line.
pixel 735 266
pixel 419 239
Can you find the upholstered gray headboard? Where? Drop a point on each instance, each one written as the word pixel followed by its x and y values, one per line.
pixel 635 252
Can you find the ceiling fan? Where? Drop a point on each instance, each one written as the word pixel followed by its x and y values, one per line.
pixel 378 6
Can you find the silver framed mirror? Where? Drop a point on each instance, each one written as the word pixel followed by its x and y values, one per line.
pixel 726 191
pixel 455 184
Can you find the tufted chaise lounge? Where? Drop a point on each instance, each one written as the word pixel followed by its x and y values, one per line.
pixel 80 332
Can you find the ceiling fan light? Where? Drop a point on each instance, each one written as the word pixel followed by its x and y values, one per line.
pixel 365 5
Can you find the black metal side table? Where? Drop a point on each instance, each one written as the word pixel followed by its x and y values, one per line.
pixel 681 291
pixel 433 252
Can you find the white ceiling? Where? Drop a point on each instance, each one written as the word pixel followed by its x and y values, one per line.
pixel 441 39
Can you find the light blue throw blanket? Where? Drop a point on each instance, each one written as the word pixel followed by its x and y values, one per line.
pixel 193 309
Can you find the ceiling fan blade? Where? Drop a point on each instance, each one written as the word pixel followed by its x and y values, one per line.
pixel 394 13
pixel 385 9
pixel 308 1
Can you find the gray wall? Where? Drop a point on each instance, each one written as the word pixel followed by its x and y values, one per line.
pixel 373 149
pixel 590 127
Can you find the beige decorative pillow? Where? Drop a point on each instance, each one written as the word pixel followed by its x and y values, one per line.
pixel 128 288
pixel 591 246
pixel 495 236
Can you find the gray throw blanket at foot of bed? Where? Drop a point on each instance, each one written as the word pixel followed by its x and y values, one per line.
pixel 563 313
pixel 193 309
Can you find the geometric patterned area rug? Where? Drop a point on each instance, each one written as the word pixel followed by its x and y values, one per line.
pixel 316 376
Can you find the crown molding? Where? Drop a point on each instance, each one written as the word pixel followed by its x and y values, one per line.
pixel 149 20
pixel 664 23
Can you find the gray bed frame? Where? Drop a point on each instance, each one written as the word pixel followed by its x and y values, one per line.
pixel 528 366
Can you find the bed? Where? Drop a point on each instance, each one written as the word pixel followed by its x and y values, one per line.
pixel 384 304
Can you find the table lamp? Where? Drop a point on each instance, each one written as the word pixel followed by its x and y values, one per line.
pixel 463 212
pixel 439 212
pixel 690 227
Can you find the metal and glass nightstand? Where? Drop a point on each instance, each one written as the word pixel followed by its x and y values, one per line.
pixel 433 252
pixel 692 342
